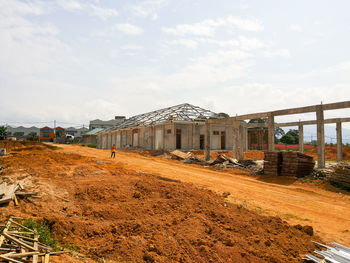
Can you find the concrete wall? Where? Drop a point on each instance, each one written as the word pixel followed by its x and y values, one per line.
pixel 163 137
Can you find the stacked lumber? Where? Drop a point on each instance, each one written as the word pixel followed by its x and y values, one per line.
pixel 296 164
pixel 12 192
pixel 20 244
pixel 272 163
pixel 341 175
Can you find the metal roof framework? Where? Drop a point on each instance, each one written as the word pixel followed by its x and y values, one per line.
pixel 182 112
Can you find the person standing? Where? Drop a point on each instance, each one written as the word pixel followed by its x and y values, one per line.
pixel 113 151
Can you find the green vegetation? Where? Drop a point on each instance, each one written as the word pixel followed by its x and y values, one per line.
pixel 91 145
pixel 46 237
pixel 3 132
pixel 291 137
pixel 32 137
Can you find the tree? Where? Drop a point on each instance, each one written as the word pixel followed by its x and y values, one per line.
pixel 58 133
pixel 3 132
pixel 32 136
pixel 279 133
pixel 291 137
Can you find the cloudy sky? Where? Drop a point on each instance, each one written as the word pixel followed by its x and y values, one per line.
pixel 74 61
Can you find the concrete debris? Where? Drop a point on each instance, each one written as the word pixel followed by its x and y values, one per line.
pixel 179 155
pixel 21 244
pixel 11 192
pixel 222 161
pixel 336 254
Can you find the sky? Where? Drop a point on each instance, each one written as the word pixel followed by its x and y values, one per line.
pixel 74 61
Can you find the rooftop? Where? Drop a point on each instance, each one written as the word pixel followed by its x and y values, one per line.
pixel 182 112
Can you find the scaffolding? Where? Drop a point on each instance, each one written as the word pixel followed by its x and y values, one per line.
pixel 182 112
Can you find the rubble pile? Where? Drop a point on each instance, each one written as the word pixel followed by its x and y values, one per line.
pixel 222 161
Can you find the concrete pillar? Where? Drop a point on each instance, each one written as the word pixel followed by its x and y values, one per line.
pixel 207 142
pixel 271 132
pixel 320 137
pixel 301 138
pixel 245 138
pixel 164 137
pixel 339 142
pixel 235 134
pixel 241 142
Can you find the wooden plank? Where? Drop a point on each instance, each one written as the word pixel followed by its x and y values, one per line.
pixel 36 246
pixel 10 259
pixel 3 187
pixel 19 242
pixel 26 228
pixel 2 237
pixel 47 258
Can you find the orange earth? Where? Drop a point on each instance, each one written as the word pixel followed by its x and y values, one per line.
pixel 140 208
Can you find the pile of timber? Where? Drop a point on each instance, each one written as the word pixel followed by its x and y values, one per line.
pixel 272 163
pixel 20 244
pixel 296 164
pixel 341 175
pixel 12 192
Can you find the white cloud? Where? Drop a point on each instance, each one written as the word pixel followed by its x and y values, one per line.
pixel 148 8
pixel 277 53
pixel 208 27
pixel 92 9
pixel 129 29
pixel 184 42
pixel 296 28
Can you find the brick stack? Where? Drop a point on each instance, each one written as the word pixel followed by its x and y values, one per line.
pixel 272 163
pixel 296 164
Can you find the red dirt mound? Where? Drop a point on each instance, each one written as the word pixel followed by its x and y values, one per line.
pixel 123 215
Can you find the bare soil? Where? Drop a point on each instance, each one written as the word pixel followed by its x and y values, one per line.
pixel 124 212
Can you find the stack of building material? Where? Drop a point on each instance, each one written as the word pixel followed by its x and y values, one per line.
pixel 21 244
pixel 11 192
pixel 296 164
pixel 272 163
pixel 341 175
pixel 338 253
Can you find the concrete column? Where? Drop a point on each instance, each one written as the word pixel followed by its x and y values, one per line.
pixel 271 132
pixel 339 142
pixel 235 134
pixel 245 137
pixel 207 142
pixel 320 137
pixel 301 138
pixel 164 137
pixel 241 142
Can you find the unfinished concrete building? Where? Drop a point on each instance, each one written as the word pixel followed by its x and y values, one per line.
pixel 178 127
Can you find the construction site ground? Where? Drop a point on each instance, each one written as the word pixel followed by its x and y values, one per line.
pixel 138 208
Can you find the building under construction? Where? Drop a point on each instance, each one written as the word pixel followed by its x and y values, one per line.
pixel 178 127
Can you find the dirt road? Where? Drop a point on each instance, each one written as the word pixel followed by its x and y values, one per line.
pixel 296 202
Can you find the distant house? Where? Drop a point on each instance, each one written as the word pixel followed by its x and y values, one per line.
pixel 47 134
pixel 105 124
pixel 90 137
pixel 77 133
pixel 22 132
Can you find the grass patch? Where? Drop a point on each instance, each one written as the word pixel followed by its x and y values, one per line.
pixel 91 145
pixel 46 236
pixel 290 216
